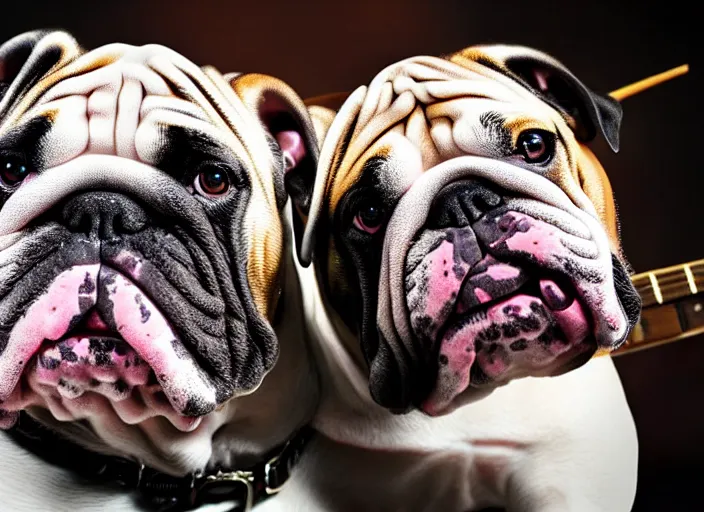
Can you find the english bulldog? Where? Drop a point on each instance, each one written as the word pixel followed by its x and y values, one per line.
pixel 466 288
pixel 144 283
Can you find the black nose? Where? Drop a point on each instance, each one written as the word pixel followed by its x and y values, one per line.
pixel 103 215
pixel 462 203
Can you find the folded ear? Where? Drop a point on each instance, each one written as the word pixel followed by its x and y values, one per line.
pixel 334 126
pixel 322 110
pixel 587 112
pixel 26 58
pixel 322 119
pixel 285 117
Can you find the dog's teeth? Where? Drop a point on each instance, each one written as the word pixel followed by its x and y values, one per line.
pixel 115 391
pixel 477 315
pixel 194 423
pixel 69 389
pixel 554 297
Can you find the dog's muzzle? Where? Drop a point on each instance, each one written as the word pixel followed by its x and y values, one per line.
pixel 118 300
pixel 502 277
pixel 95 332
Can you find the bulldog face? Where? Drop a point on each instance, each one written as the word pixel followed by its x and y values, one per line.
pixel 140 231
pixel 463 230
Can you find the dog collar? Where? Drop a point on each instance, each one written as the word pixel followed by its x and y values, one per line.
pixel 159 491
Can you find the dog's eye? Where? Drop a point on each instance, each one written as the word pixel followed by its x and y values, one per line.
pixel 370 217
pixel 536 146
pixel 13 169
pixel 212 180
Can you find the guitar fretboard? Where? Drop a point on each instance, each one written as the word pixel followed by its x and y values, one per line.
pixel 671 283
pixel 673 306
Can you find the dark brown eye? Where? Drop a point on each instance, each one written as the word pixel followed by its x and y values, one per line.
pixel 536 146
pixel 370 217
pixel 13 169
pixel 213 180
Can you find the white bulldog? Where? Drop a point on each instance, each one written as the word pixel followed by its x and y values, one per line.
pixel 144 286
pixel 466 272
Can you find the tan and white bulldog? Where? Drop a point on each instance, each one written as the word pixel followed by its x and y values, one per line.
pixel 143 279
pixel 466 272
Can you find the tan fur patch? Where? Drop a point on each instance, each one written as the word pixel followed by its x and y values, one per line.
pixel 596 185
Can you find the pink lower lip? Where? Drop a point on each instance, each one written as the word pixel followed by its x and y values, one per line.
pixel 90 382
pixel 67 384
pixel 504 355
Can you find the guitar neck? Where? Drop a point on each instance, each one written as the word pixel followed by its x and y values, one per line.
pixel 673 306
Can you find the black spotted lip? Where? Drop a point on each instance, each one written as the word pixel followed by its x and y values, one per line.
pixel 130 340
pixel 533 329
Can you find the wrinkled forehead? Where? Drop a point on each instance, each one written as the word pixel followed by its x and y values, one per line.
pixel 120 99
pixel 420 112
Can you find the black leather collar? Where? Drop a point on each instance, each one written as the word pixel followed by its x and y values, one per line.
pixel 158 491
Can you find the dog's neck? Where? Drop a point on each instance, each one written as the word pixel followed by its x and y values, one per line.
pixel 244 429
pixel 346 408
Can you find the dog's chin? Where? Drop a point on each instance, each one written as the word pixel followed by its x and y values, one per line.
pixel 95 347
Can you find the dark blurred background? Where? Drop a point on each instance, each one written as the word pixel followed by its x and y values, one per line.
pixel 321 47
